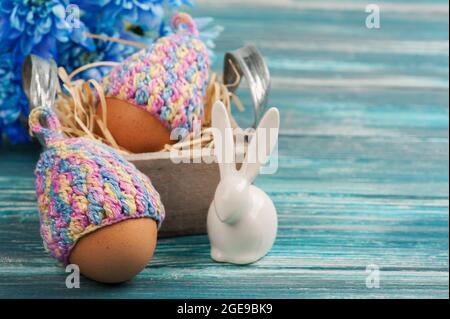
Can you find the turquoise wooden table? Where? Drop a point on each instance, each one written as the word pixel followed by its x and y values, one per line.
pixel 363 156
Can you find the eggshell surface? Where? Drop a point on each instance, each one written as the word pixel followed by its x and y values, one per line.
pixel 116 253
pixel 134 128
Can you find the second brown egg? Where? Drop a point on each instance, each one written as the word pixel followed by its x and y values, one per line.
pixel 133 128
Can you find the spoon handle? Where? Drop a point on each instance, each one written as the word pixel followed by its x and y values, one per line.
pixel 249 63
pixel 39 79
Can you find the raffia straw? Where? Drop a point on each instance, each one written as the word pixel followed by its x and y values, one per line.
pixel 76 109
pixel 77 102
pixel 122 41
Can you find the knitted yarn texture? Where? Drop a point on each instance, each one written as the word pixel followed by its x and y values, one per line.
pixel 168 79
pixel 83 185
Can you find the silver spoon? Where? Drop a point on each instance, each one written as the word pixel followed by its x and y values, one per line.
pixel 249 63
pixel 39 81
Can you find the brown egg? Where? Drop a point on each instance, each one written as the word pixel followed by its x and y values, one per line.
pixel 118 252
pixel 134 128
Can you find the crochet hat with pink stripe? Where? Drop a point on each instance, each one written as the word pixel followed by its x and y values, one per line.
pixel 168 79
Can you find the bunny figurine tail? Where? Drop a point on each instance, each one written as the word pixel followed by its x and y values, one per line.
pixel 242 219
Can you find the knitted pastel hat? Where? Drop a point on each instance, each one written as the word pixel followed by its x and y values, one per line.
pixel 83 185
pixel 168 79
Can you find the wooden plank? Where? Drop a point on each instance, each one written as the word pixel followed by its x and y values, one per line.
pixel 363 164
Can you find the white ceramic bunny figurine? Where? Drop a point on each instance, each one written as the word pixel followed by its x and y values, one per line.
pixel 242 220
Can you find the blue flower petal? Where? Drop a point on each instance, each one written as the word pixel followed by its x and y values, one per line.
pixel 15 20
pixel 25 45
pixel 30 17
pixel 59 11
pixel 44 28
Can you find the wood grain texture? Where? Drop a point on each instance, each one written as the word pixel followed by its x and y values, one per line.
pixel 363 164
pixel 186 206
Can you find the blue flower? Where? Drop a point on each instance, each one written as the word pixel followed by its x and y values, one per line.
pixel 73 56
pixel 12 102
pixel 36 26
pixel 15 132
pixel 9 93
pixel 28 26
pixel 115 12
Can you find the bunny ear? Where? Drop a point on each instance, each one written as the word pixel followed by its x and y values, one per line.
pixel 223 140
pixel 261 144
